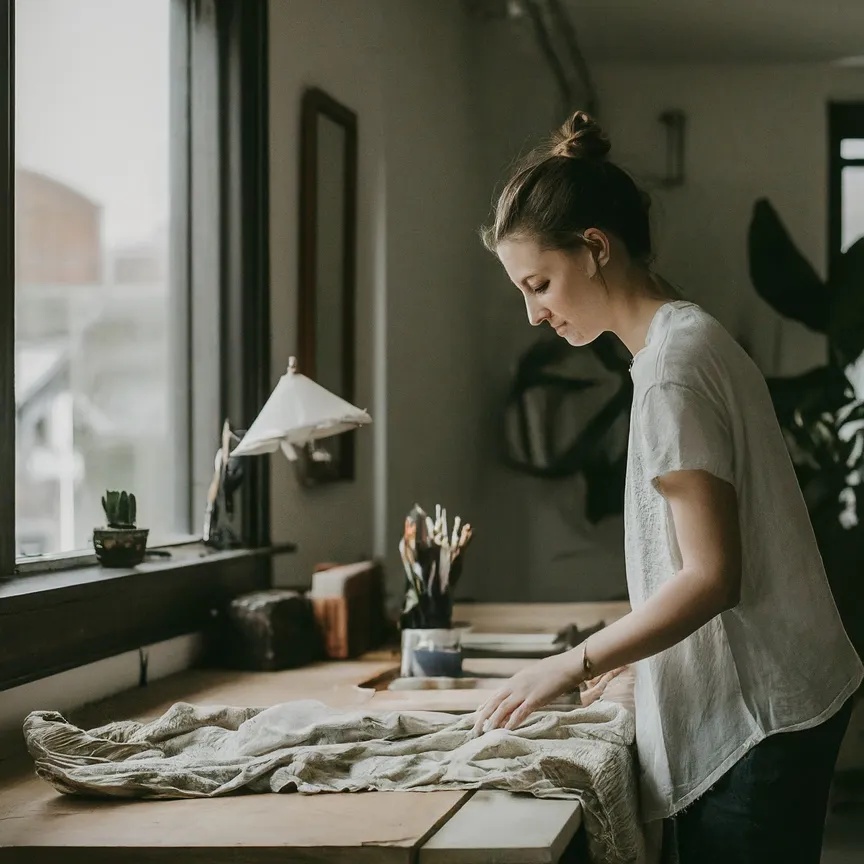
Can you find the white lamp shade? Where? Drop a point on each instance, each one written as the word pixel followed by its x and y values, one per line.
pixel 298 411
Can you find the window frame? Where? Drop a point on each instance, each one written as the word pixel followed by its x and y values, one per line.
pixel 7 289
pixel 845 120
pixel 235 246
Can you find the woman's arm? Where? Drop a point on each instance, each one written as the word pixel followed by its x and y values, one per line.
pixel 705 515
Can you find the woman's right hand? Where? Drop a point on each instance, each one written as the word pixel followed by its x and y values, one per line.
pixel 593 689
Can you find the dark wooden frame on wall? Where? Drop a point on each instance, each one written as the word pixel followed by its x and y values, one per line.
pixel 54 621
pixel 845 120
pixel 316 102
pixel 7 288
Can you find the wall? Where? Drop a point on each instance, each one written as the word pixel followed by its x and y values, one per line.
pixel 335 46
pixel 752 131
pixel 434 207
pixel 403 67
pixel 444 105
pixel 534 544
pixel 77 687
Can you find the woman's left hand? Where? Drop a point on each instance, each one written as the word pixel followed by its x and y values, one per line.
pixel 529 690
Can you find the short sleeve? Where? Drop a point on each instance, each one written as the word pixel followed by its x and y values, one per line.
pixel 682 430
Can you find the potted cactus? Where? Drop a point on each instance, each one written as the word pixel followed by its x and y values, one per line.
pixel 121 544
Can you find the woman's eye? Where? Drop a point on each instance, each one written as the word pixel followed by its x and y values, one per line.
pixel 541 288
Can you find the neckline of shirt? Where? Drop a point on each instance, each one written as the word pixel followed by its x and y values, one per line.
pixel 659 315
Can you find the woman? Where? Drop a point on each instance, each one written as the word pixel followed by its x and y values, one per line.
pixel 734 632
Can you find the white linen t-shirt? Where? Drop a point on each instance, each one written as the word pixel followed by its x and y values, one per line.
pixel 780 660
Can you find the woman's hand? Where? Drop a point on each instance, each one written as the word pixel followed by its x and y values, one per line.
pixel 529 690
pixel 595 688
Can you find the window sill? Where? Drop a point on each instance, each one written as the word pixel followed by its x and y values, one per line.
pixel 54 621
pixel 30 586
pixel 81 558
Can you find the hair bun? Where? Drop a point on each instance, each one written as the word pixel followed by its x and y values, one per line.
pixel 581 138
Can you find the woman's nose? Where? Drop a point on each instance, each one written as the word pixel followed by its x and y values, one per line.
pixel 536 313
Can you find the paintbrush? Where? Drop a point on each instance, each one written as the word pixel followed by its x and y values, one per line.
pixel 464 539
pixel 454 539
pixel 432 559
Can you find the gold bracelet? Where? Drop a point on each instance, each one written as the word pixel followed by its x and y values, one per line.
pixel 586 663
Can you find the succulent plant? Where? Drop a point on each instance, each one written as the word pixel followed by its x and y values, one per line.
pixel 120 509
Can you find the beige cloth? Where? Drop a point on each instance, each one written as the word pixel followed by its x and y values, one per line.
pixel 205 751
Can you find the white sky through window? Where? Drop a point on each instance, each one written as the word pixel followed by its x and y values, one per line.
pixel 86 103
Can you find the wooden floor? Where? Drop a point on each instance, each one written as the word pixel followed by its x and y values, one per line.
pixel 39 826
pixel 844 836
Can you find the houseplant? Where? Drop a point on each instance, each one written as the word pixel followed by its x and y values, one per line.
pixel 820 415
pixel 121 543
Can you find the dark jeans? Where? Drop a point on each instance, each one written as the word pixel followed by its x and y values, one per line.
pixel 771 805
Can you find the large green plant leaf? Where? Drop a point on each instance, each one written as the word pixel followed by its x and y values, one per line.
pixel 822 423
pixel 781 275
pixel 824 390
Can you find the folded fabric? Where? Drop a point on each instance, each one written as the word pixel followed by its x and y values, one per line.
pixel 204 751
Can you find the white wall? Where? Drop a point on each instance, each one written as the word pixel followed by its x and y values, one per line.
pixel 752 131
pixel 444 105
pixel 85 684
pixel 335 46
pixel 435 204
pixel 403 67
pixel 534 541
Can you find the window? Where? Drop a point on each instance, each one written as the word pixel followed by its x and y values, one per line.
pixel 210 182
pixel 133 263
pixel 846 195
pixel 100 382
pixel 846 182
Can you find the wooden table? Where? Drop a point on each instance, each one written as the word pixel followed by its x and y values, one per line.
pixel 39 826
pixel 536 617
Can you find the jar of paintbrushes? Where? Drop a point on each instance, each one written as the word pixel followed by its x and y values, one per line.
pixel 432 556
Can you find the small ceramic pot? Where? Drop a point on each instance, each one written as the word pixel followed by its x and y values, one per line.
pixel 120 547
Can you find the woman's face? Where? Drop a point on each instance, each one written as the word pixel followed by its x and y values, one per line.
pixel 560 287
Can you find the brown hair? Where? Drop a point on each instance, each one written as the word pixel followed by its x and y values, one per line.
pixel 561 190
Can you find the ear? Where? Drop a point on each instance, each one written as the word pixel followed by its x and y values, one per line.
pixel 599 246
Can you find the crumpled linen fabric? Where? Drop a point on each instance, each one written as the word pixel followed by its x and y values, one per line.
pixel 196 751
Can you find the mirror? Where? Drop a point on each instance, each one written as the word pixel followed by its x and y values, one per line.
pixel 328 207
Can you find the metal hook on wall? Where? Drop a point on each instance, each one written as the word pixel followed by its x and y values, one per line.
pixel 675 121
